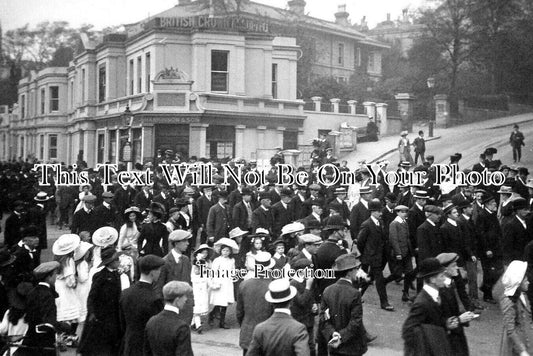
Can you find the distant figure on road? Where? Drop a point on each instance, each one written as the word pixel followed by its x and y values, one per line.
pixel 372 130
pixel 517 141
pixel 404 148
pixel 420 147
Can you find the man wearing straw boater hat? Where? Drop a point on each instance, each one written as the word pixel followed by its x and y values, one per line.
pixel 280 334
pixel 341 328
pixel 37 216
pixel 252 309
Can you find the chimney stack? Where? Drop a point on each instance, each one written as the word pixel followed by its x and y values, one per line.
pixel 388 17
pixel 297 6
pixel 341 16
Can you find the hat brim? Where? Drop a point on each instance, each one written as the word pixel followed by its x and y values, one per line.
pixel 11 259
pixel 334 227
pixel 42 199
pixel 432 273
pixel 108 260
pixel 292 294
pixel 270 265
pixel 346 268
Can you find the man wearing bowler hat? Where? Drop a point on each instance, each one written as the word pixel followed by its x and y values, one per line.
pixel 262 216
pixel 218 219
pixel 139 303
pixel 360 211
pixel 341 329
pixel 425 330
pixel 243 211
pixel 317 206
pixel 37 217
pixel 372 241
pixel 14 224
pixel 280 334
pixel 282 211
pixel 416 216
pixel 515 232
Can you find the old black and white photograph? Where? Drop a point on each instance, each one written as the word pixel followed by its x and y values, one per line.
pixel 266 177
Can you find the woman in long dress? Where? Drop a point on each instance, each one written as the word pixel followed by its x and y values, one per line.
pixel 404 148
pixel 83 261
pixel 129 232
pixel 510 291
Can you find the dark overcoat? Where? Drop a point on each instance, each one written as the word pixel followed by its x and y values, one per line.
pixel 371 243
pixel 429 241
pixel 167 335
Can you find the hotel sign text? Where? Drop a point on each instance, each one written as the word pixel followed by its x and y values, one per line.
pixel 220 23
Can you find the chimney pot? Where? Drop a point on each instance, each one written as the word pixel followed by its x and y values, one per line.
pixel 297 6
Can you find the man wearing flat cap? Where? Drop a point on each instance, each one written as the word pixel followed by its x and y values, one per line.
pixel 425 330
pixel 428 236
pixel 280 334
pixel 85 219
pixel 107 213
pixel 372 241
pixel 341 329
pixel 516 233
pixel 166 333
pixel 178 267
pixel 317 208
pixel 490 253
pixel 41 309
pixel 139 303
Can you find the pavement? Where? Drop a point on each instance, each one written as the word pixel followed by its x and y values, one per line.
pixel 484 333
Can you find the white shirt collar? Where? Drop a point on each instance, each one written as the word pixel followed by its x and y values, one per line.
pixel 44 284
pixel 376 221
pixel 283 310
pixel 399 219
pixel 316 216
pixel 175 255
pixel 522 222
pixel 107 205
pixel 467 218
pixel 419 206
pixel 307 254
pixel 172 308
pixel 452 222
pixel 86 210
pixel 433 293
pixel 431 222
pixel 284 205
pixel 447 281
pixel 364 202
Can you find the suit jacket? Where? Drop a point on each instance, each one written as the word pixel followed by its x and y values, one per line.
pixel 454 241
pixel 415 218
pixel 399 239
pixel 138 304
pixel 153 239
pixel 358 214
pixel 37 217
pixel 262 218
pixel 107 216
pixel 346 317
pixel 167 201
pixel 41 308
pixel 470 233
pixel 218 222
pixel 252 308
pixel 301 305
pixel 371 242
pixel 298 207
pixel 514 241
pixel 282 216
pixel 167 335
pixel 429 241
pixel 490 233
pixel 234 198
pixel 13 227
pixel 25 263
pixel 326 255
pixel 239 218
pixel 83 221
pixel 520 188
pixel 204 205
pixel 123 198
pixel 279 335
pixel 182 224
pixel 141 201
pixel 424 311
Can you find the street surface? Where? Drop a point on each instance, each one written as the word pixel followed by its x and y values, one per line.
pixel 484 334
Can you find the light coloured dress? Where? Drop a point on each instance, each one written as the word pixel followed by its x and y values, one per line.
pixel 68 304
pixel 200 288
pixel 9 329
pixel 83 287
pixel 222 288
pixel 127 240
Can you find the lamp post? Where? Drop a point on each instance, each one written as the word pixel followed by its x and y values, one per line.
pixel 127 149
pixel 431 85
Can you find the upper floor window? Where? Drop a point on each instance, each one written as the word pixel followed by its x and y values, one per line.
pixel 83 86
pixel 101 83
pixel 54 99
pixel 131 77
pixel 52 146
pixel 340 58
pixel 371 62
pixel 275 80
pixel 22 106
pixel 43 101
pixel 147 65
pixel 219 71
pixel 139 74
pixel 358 57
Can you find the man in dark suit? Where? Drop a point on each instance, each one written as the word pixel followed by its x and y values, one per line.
pixel 235 196
pixel 107 213
pixel 317 207
pixel 416 216
pixel 516 234
pixel 218 219
pixel 14 224
pixel 252 308
pixel 166 334
pixel 123 198
pixel 85 219
pixel 428 235
pixel 340 196
pixel 143 199
pixel 298 200
pixel 243 210
pixel 139 303
pixel 262 216
pixel 314 191
pixel 282 212
pixel 425 330
pixel 183 220
pixel 360 211
pixel 341 312
pixel 164 198
pixel 328 252
pixel 521 183
pixel 178 267
pixel 37 217
pixel 280 334
pixel 371 242
pixel 40 309
pixel 490 253
pixel 27 258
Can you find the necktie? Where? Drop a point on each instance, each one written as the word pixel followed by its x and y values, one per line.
pixel 249 218
pixel 438 300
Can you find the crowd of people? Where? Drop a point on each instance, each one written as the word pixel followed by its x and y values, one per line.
pixel 129 277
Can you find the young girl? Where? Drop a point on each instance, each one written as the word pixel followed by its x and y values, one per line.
pixel 129 232
pixel 200 285
pixel 256 246
pixel 222 287
pixel 82 259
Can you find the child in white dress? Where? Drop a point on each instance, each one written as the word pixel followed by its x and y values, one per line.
pixel 200 285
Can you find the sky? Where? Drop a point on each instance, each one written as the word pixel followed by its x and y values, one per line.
pixel 104 13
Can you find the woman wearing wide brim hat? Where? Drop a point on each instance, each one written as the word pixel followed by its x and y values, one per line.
pixel 68 304
pixel 130 232
pixel 224 241
pixel 82 259
pixel 200 284
pixel 105 236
